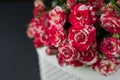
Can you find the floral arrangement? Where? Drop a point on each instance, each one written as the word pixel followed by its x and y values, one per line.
pixel 79 32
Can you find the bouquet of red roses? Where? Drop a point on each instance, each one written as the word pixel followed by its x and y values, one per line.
pixel 79 32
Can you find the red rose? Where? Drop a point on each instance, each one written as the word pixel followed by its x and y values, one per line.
pixel 44 19
pixel 82 14
pixel 57 35
pixel 97 4
pixel 107 66
pixel 61 61
pixel 42 32
pixel 37 42
pixel 90 57
pixel 110 22
pixel 76 63
pixel 71 3
pixel 32 28
pixel 38 8
pixel 110 47
pixel 82 37
pixel 57 16
pixel 69 54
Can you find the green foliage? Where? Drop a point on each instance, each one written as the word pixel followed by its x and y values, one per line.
pixel 107 1
pixel 54 3
pixel 100 33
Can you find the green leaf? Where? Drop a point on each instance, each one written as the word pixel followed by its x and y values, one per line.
pixel 54 3
pixel 116 6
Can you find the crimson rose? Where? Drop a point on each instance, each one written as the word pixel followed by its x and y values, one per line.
pixel 69 54
pixel 110 47
pixel 107 66
pixel 82 14
pixel 110 22
pixel 57 16
pixel 57 35
pixel 82 37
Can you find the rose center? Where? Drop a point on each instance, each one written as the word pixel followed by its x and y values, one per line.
pixel 80 37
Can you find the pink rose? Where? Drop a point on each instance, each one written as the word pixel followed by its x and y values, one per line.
pixel 38 8
pixel 82 14
pixel 107 66
pixel 110 22
pixel 32 28
pixel 57 16
pixel 71 3
pixel 82 37
pixel 69 54
pixel 110 47
pixel 39 3
pixel 57 35
pixel 118 1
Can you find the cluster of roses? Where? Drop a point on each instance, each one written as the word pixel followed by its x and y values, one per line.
pixel 77 45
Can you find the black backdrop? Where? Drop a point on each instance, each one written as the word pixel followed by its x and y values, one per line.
pixel 18 58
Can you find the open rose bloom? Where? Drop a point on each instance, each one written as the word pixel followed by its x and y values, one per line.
pixel 79 32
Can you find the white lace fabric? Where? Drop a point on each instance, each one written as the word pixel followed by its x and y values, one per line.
pixel 51 72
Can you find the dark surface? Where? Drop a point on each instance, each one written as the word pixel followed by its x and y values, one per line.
pixel 18 58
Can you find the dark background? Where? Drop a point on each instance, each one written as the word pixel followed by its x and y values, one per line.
pixel 18 58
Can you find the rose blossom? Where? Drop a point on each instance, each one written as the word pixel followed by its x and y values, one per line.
pixel 38 8
pixel 82 14
pixel 82 37
pixel 44 19
pixel 97 4
pixel 107 66
pixel 90 57
pixel 57 35
pixel 42 32
pixel 118 1
pixel 32 28
pixel 110 47
pixel 76 63
pixel 61 61
pixel 69 54
pixel 57 16
pixel 39 3
pixel 110 22
pixel 71 3
pixel 37 42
